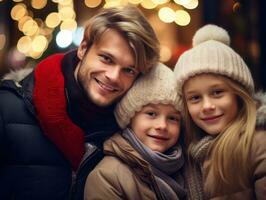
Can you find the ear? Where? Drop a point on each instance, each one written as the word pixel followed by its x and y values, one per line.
pixel 82 49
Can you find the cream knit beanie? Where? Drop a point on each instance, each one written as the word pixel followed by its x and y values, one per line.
pixel 211 53
pixel 157 86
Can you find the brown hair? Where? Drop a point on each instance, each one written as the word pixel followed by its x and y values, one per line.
pixel 132 24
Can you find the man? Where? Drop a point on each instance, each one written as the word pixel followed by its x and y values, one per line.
pixel 64 108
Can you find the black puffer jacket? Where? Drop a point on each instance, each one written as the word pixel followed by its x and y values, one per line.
pixel 31 167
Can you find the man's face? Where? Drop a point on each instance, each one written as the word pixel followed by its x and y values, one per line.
pixel 107 69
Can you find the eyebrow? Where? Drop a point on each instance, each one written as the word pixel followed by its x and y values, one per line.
pixel 113 58
pixel 211 87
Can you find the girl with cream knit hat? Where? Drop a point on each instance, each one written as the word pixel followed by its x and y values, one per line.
pixel 225 126
pixel 144 161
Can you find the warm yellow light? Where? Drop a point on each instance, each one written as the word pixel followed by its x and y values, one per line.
pixel 2 41
pixel 182 2
pixel 192 4
pixel 92 3
pixel 167 15
pixel 38 4
pixel 148 4
pixel 39 22
pixel 165 53
pixel 18 11
pixel 69 25
pixel 39 43
pixel 34 54
pixel 236 7
pixel 67 13
pixel 22 21
pixel 182 17
pixel 135 1
pixel 160 1
pixel 65 2
pixel 114 3
pixel 17 0
pixel 46 31
pixel 30 27
pixel 52 20
pixel 24 44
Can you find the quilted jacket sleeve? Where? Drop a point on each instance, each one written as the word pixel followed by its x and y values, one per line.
pixel 102 184
pixel 114 180
pixel 259 160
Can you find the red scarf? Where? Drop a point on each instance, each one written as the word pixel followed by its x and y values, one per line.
pixel 51 107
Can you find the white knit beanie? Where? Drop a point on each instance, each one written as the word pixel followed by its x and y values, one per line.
pixel 211 53
pixel 157 86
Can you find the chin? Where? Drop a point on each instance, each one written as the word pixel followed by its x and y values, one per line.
pixel 213 132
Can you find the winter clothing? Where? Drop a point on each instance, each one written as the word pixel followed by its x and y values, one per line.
pixel 50 102
pixel 158 86
pixel 163 165
pixel 31 166
pixel 200 180
pixel 211 54
pixel 213 42
pixel 132 171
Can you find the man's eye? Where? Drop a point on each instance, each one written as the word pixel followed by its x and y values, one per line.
pixel 130 71
pixel 106 59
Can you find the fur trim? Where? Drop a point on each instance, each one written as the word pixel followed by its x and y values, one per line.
pixel 18 75
pixel 260 98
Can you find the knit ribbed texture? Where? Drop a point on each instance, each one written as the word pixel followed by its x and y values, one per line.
pixel 157 86
pixel 211 53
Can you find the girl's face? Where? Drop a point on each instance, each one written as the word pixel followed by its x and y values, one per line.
pixel 211 103
pixel 157 126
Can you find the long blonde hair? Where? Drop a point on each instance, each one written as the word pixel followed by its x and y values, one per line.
pixel 230 151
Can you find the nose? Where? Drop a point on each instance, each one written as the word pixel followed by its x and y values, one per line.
pixel 113 73
pixel 208 105
pixel 161 123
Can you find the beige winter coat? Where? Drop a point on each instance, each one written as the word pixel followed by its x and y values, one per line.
pixel 123 176
pixel 257 189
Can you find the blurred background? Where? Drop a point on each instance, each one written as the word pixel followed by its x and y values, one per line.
pixel 30 30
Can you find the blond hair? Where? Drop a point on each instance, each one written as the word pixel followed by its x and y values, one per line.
pixel 132 24
pixel 231 148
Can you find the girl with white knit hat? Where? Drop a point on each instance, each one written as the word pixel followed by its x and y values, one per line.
pixel 225 126
pixel 144 160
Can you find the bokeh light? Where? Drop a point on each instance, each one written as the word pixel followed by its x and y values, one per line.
pixel 64 39
pixel 167 14
pixel 182 18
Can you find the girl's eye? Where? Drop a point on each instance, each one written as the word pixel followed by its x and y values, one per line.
pixel 217 93
pixel 193 99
